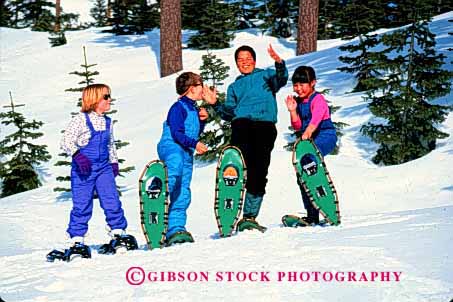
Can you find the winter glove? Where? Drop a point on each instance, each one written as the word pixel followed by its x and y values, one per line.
pixel 116 169
pixel 83 163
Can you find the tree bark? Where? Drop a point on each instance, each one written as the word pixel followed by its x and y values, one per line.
pixel 307 29
pixel 109 9
pixel 170 37
pixel 57 16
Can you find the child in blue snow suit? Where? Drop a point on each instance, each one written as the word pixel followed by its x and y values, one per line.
pixel 89 140
pixel 180 138
pixel 310 114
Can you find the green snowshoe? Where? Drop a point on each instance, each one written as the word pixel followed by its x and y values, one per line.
pixel 153 184
pixel 229 192
pixel 250 224
pixel 312 174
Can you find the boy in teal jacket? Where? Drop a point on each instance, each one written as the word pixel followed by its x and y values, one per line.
pixel 252 107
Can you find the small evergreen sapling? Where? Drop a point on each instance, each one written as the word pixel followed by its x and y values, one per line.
pixel 217 133
pixel 57 38
pixel 18 173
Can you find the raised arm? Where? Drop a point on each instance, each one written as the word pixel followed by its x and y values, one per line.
pixel 280 78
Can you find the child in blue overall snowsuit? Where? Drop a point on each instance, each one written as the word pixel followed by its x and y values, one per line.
pixel 179 140
pixel 310 115
pixel 89 140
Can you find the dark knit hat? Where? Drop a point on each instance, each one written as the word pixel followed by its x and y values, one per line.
pixel 303 74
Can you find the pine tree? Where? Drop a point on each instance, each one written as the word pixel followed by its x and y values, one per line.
pixel 133 17
pixel 215 30
pixel 18 174
pixel 218 133
pixel 70 21
pixel 36 14
pixel 357 19
pixel 191 10
pixel 246 13
pixel 338 127
pixel 99 13
pixel 57 38
pixel 119 19
pixel 279 17
pixel 143 16
pixel 412 78
pixel 398 12
pixel 443 6
pixel 6 14
pixel 87 78
pixel 328 13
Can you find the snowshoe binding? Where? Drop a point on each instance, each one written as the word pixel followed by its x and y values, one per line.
pixel 230 175
pixel 127 242
pixel 249 224
pixel 179 237
pixel 77 250
pixel 154 188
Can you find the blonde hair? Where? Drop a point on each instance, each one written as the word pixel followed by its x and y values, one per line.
pixel 92 95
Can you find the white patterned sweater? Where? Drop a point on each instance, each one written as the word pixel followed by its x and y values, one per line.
pixel 77 134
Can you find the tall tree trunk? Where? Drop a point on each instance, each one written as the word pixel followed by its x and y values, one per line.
pixel 307 29
pixel 170 37
pixel 57 16
pixel 109 9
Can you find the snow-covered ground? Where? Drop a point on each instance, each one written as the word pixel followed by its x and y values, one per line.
pixel 395 242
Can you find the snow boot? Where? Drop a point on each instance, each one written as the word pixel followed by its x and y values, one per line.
pixel 118 241
pixel 179 237
pixel 249 223
pixel 295 221
pixel 77 250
